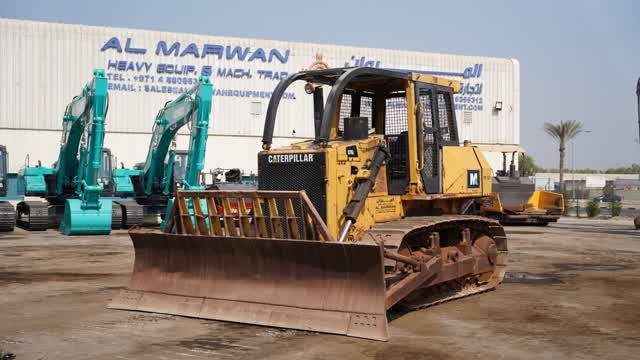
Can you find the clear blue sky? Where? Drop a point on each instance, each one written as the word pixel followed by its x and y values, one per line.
pixel 579 59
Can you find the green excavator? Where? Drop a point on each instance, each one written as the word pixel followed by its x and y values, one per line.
pixel 73 188
pixel 150 186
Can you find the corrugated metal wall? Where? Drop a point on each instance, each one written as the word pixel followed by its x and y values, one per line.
pixel 43 65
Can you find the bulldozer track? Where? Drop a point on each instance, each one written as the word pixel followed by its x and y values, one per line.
pixel 393 233
pixel 470 290
pixel 116 217
pixel 7 216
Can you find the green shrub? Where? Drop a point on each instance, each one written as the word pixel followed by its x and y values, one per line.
pixel 593 208
pixel 616 208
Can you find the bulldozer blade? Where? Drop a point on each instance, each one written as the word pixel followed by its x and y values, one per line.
pixel 299 284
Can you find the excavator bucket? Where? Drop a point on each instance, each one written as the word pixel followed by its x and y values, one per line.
pixel 275 265
pixel 79 220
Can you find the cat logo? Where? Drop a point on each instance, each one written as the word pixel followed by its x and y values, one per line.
pixel 352 151
pixel 473 179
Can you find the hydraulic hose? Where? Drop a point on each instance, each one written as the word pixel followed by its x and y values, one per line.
pixel 356 204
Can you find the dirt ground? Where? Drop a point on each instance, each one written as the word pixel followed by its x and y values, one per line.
pixel 54 289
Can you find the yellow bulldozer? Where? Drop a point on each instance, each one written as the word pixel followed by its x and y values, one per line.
pixel 364 217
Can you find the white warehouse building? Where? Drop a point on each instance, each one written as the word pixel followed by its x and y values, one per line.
pixel 43 65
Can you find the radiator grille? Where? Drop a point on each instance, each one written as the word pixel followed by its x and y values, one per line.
pixel 295 176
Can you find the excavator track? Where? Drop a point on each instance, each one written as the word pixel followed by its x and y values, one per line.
pixel 7 216
pixel 393 235
pixel 33 215
pixel 116 217
pixel 132 213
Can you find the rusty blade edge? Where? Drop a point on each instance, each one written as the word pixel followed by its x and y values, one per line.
pixel 361 325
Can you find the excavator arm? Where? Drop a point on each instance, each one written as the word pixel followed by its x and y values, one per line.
pixel 92 142
pixel 192 107
pixel 88 214
pixel 199 134
pixel 73 127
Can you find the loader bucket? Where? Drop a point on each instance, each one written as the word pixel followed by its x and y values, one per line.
pixel 273 270
pixel 545 200
pixel 79 221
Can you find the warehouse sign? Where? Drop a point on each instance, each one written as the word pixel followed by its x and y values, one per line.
pixel 137 74
pixel 236 62
pixel 146 68
pixel 176 49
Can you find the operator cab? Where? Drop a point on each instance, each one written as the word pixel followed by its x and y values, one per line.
pixel 180 167
pixel 105 173
pixel 380 98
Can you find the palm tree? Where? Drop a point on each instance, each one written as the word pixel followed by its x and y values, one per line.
pixel 563 132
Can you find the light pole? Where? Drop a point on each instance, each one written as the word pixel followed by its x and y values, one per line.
pixel 573 177
pixel 638 95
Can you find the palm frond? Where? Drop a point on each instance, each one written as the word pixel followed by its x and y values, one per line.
pixel 553 130
pixel 564 130
pixel 572 128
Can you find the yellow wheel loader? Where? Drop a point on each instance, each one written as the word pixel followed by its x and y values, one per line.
pixel 363 218
pixel 515 200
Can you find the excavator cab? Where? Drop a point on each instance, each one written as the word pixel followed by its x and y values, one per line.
pixel 361 218
pixel 105 173
pixel 180 167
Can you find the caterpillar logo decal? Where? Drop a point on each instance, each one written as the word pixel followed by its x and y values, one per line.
pixel 290 158
pixel 473 179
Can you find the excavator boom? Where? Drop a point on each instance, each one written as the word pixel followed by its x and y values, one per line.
pixel 193 107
